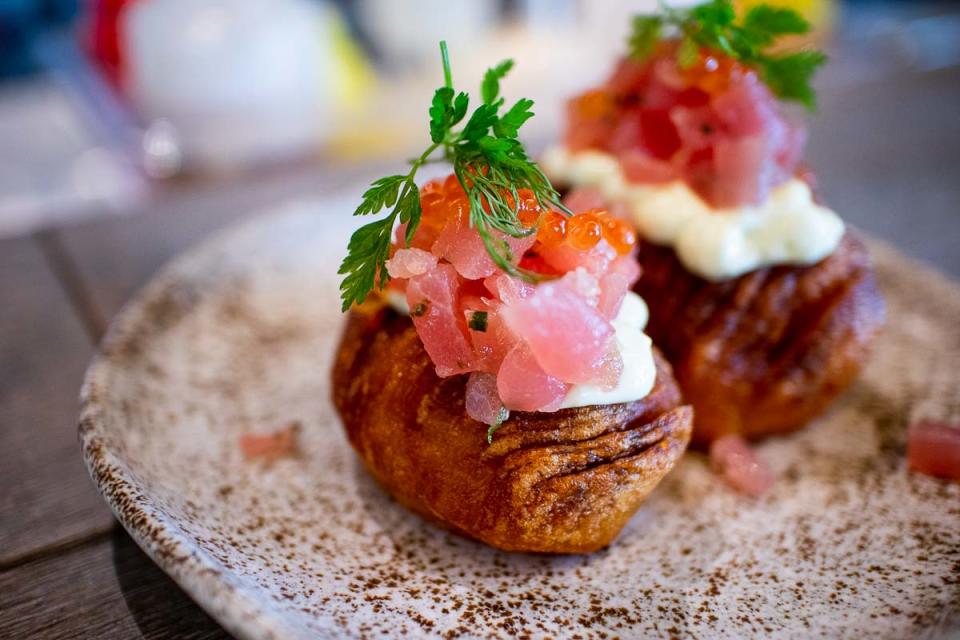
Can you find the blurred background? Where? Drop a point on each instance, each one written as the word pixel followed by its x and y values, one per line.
pixel 130 129
pixel 108 105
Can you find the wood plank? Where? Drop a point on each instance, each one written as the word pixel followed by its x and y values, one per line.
pixel 47 498
pixel 116 256
pixel 106 589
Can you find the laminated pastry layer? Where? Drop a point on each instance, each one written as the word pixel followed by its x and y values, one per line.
pixel 765 352
pixel 559 482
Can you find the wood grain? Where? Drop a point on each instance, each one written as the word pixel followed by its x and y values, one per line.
pixel 107 589
pixel 47 498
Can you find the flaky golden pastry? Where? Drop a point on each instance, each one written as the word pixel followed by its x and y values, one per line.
pixel 766 352
pixel 562 482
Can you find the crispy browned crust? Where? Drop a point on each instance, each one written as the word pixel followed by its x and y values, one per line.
pixel 563 482
pixel 766 352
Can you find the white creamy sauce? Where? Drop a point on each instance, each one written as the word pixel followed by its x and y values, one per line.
pixel 397 300
pixel 716 244
pixel 636 350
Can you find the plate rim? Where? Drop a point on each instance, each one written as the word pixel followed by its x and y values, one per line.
pixel 195 572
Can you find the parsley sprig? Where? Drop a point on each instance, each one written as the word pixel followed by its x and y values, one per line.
pixel 488 160
pixel 714 26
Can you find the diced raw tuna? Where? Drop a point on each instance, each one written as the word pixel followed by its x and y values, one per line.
pixel 584 198
pixel 482 399
pixel 613 289
pixel 565 258
pixel 715 125
pixel 523 385
pixel 556 315
pixel 697 128
pixel 746 108
pixel 933 449
pixel 607 372
pixel 741 171
pixel 507 288
pixel 619 278
pixel 407 263
pixel 490 345
pixel 639 166
pixel 462 246
pixel 432 297
pixel 790 153
pixel 270 447
pixel 629 76
pixel 739 466
pixel 523 345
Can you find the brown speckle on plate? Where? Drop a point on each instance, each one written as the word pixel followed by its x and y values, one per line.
pixel 239 333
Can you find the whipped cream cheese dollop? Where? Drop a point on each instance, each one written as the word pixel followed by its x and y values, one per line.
pixel 789 228
pixel 635 347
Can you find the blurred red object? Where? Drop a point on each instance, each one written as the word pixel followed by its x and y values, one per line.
pixel 273 446
pixel 741 468
pixel 933 448
pixel 105 37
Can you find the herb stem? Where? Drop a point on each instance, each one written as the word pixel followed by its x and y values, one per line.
pixel 445 57
pixel 422 160
pixel 489 162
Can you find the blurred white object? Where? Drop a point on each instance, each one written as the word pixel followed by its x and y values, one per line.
pixel 54 167
pixel 407 31
pixel 239 81
pixel 162 150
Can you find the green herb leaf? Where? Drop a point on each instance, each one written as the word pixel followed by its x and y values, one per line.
pixel 645 32
pixel 490 163
pixel 713 26
pixel 512 120
pixel 490 88
pixel 460 104
pixel 715 14
pixel 774 21
pixel 382 193
pixel 408 207
pixel 441 112
pixel 789 76
pixel 688 53
pixel 480 122
pixel 366 253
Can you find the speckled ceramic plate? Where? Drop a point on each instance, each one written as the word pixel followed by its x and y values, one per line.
pixel 237 337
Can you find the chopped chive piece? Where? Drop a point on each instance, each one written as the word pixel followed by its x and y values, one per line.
pixel 420 309
pixel 478 321
pixel 501 418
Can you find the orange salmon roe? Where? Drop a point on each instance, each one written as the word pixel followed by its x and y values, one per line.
pixel 712 73
pixel 553 229
pixel 441 199
pixel 584 230
pixel 529 211
pixel 594 104
pixel 433 205
pixel 452 184
pixel 619 234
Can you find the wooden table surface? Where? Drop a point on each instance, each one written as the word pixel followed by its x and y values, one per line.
pixel 887 152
